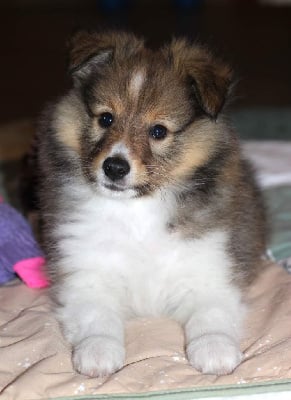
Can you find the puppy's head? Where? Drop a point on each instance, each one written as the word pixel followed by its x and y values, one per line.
pixel 149 116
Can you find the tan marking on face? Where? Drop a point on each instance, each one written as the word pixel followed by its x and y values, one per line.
pixel 191 158
pixel 68 124
pixel 136 83
pixel 97 132
pixel 139 172
pixel 134 154
pixel 117 105
pixel 197 149
pixel 159 147
pixel 114 106
pixel 100 109
pixel 154 117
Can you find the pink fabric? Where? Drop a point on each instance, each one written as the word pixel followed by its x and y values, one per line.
pixel 31 272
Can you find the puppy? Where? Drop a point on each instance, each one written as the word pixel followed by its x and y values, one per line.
pixel 149 208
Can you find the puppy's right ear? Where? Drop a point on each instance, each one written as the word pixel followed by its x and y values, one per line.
pixel 90 51
pixel 87 53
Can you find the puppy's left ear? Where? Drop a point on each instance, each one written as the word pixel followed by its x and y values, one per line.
pixel 210 79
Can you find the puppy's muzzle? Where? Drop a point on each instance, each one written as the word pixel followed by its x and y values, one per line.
pixel 115 168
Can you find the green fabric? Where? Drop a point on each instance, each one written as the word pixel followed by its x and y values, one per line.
pixel 195 393
pixel 278 201
pixel 263 123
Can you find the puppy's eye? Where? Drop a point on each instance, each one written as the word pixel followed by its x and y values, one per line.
pixel 158 132
pixel 105 120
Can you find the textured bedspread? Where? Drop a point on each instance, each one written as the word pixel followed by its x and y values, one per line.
pixel 35 360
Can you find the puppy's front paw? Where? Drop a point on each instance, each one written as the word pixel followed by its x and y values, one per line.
pixel 98 356
pixel 216 354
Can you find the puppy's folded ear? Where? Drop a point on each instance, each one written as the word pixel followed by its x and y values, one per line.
pixel 209 79
pixel 90 51
pixel 87 52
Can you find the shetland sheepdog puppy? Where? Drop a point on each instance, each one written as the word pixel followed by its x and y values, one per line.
pixel 149 208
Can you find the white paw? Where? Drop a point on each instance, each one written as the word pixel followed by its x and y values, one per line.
pixel 216 354
pixel 98 356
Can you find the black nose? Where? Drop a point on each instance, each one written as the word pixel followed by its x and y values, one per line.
pixel 115 168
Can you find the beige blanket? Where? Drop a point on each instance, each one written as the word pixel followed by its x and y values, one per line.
pixel 35 360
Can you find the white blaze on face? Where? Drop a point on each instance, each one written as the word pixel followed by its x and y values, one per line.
pixel 136 82
pixel 119 149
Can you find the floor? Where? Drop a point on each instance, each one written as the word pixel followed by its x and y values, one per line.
pixel 256 40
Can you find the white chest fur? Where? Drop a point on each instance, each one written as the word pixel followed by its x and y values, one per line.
pixel 123 249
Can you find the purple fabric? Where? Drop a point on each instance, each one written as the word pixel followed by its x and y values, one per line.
pixel 16 241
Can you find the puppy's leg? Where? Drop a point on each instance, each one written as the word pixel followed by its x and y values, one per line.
pixel 213 333
pixel 96 333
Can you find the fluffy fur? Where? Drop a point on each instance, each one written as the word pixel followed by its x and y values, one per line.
pixel 180 235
